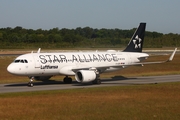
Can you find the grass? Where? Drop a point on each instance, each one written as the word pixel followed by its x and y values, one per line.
pixel 153 101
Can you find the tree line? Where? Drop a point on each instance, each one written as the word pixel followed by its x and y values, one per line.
pixel 86 37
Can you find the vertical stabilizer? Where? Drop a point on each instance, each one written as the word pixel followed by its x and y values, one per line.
pixel 136 42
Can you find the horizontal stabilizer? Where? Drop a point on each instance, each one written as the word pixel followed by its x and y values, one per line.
pixel 169 60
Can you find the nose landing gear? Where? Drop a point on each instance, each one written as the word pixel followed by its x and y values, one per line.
pixel 30 84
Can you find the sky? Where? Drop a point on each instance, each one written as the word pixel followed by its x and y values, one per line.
pixel 160 15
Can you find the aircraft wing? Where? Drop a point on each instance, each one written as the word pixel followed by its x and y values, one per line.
pixel 92 68
pixel 103 68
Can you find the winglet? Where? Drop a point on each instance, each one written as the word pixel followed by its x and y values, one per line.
pixel 172 55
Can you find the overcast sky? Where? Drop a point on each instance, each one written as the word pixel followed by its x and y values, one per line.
pixel 160 15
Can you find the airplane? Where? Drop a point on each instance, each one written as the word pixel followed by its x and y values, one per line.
pixel 85 66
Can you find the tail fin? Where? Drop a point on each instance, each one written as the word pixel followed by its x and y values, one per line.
pixel 136 42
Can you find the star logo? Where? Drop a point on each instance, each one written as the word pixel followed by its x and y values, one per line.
pixel 137 42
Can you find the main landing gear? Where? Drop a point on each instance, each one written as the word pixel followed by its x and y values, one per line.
pixel 30 84
pixel 97 81
pixel 67 80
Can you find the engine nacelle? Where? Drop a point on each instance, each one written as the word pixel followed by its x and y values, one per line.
pixel 42 78
pixel 85 76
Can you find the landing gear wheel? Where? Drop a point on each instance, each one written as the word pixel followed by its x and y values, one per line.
pixel 97 81
pixel 30 84
pixel 67 80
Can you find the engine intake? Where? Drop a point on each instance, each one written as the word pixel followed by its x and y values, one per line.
pixel 85 76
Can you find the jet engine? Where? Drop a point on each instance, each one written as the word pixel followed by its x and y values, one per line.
pixel 85 76
pixel 42 78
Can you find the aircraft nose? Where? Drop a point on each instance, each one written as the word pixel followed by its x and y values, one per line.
pixel 11 69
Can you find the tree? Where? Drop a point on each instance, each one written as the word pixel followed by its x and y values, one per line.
pixel 54 38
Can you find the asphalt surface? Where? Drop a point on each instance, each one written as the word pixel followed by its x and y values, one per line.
pixel 115 81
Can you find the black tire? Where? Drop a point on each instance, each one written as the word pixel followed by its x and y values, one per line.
pixel 67 80
pixel 97 81
pixel 30 84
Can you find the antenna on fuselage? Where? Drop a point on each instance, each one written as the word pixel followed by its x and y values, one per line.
pixel 39 50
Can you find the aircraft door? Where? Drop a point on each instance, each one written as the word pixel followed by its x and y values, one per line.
pixel 37 62
pixel 129 58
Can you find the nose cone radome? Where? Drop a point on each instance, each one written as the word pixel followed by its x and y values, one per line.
pixel 17 69
pixel 11 69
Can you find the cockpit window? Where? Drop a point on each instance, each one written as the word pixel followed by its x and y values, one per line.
pixel 25 61
pixel 17 61
pixel 20 61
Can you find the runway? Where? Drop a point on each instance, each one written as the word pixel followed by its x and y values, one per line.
pixel 114 81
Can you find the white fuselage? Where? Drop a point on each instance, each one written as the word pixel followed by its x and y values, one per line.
pixel 44 64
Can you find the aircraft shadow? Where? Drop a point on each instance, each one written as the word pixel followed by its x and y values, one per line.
pixel 117 78
pixel 39 83
pixel 74 83
pixel 107 80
